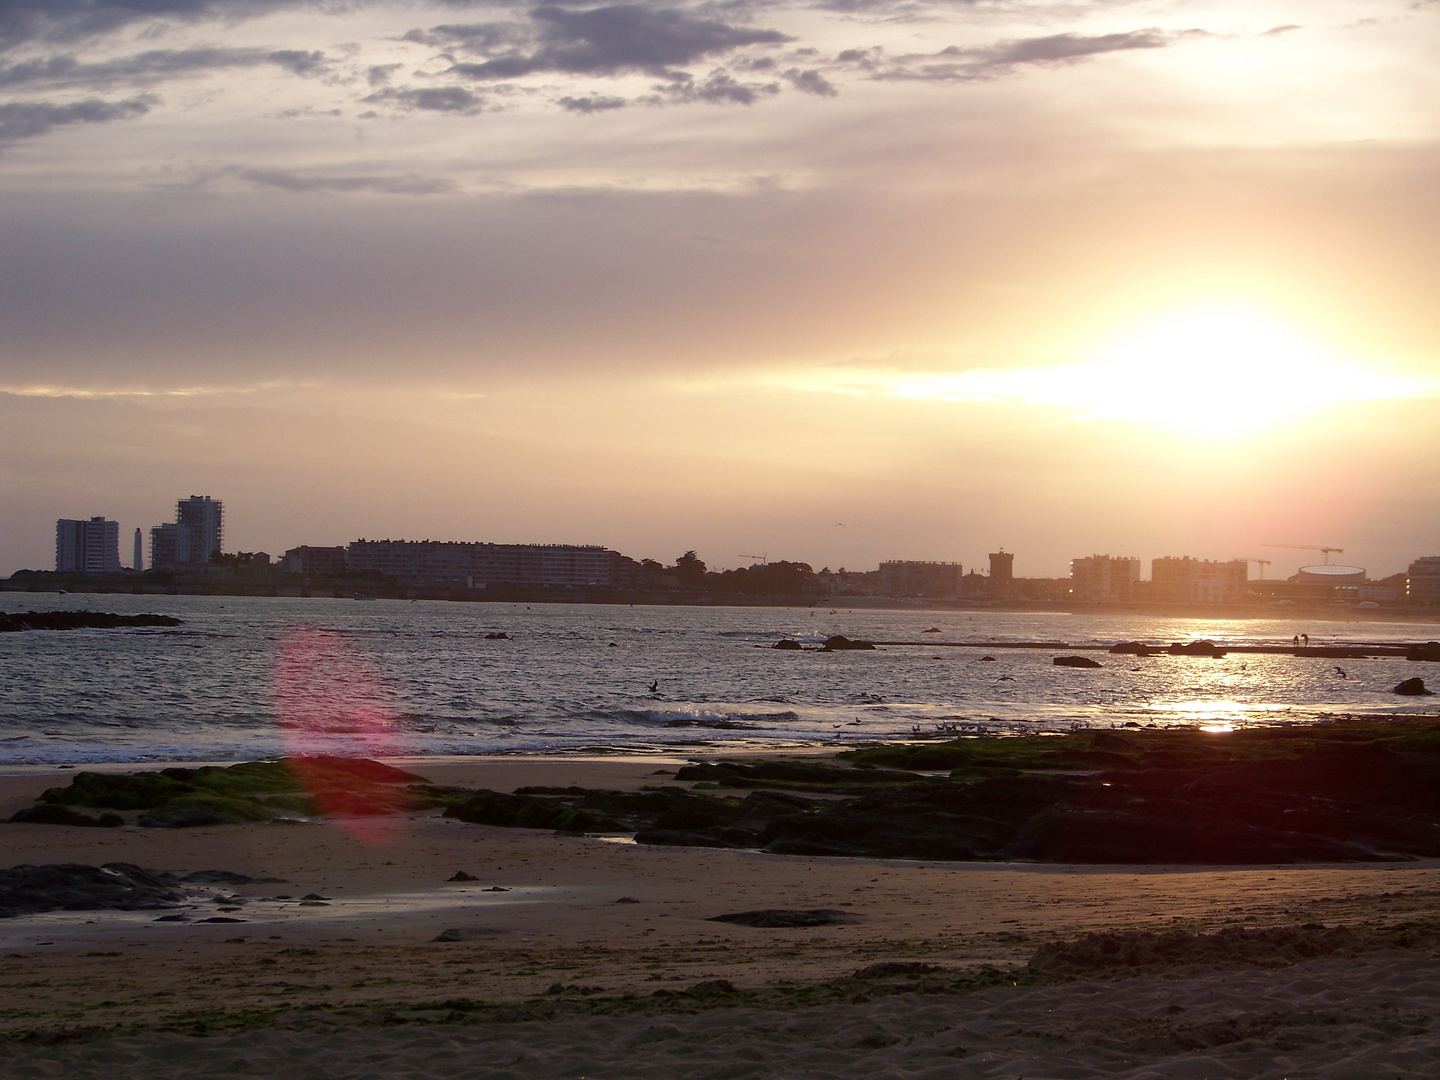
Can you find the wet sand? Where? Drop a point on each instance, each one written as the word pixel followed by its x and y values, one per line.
pixel 316 979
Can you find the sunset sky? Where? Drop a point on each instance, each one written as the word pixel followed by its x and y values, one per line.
pixel 836 282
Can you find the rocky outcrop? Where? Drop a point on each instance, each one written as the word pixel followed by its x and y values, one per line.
pixel 29 890
pixel 1412 688
pixel 840 643
pixel 1076 661
pixel 80 620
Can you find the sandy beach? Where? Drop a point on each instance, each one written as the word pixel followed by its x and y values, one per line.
pixel 557 949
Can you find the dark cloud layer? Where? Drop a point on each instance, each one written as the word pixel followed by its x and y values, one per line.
pixel 449 99
pixel 74 20
pixel 956 64
pixel 153 65
pixel 26 120
pixel 608 40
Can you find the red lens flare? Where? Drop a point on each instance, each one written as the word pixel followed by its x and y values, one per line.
pixel 333 708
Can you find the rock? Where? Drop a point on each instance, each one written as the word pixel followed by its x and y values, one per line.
pixel 461 875
pixel 1075 661
pixel 80 620
pixel 312 897
pixel 466 933
pixel 987 660
pixel 783 918
pixel 627 900
pixel 1429 651
pixel 497 637
pixel 840 643
pixel 786 643
pixel 194 811
pixel 227 877
pixel 28 890
pixel 1197 648
pixel 223 919
pixel 1132 648
pixel 52 814
pixel 1412 688
pixel 713 987
pixel 932 630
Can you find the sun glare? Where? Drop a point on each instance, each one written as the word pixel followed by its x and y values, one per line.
pixel 1216 373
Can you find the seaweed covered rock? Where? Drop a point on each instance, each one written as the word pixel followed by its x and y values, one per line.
pixel 55 814
pixel 200 809
pixel 736 774
pixel 249 791
pixel 528 812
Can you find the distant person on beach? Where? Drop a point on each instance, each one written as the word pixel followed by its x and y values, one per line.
pixel 1297 640
pixel 1306 639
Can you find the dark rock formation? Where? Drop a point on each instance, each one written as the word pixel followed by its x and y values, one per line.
pixel 250 791
pixel 783 919
pixel 1429 651
pixel 501 636
pixel 1133 648
pixel 1076 661
pixel 786 643
pixel 1197 648
pixel 1411 688
pixel 50 814
pixel 461 875
pixel 80 620
pixel 28 890
pixel 840 643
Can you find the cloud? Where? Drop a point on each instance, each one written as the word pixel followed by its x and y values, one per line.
pixel 379 74
pixel 608 40
pixel 26 120
pixel 152 65
pixel 74 20
pixel 720 88
pixel 593 104
pixel 448 99
pixel 811 82
pixel 287 180
pixel 955 64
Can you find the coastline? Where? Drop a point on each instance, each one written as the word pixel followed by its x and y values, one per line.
pixel 610 924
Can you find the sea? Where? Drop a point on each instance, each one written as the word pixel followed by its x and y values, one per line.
pixel 246 678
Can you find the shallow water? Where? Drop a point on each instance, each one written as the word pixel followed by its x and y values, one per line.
pixel 248 677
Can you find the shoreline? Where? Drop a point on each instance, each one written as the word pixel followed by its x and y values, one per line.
pixel 586 944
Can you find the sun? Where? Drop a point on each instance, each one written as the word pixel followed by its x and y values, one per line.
pixel 1216 372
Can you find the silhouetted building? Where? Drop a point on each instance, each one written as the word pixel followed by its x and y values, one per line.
pixel 315 560
pixel 1422 583
pixel 1002 573
pixel 1185 580
pixel 905 577
pixel 87 547
pixel 139 560
pixel 196 534
pixel 478 565
pixel 1102 578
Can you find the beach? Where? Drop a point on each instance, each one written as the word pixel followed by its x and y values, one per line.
pixel 575 955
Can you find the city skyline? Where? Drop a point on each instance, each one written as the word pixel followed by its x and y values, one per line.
pixel 907 278
pixel 203 515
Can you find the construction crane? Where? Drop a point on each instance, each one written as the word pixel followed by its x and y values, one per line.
pixel 764 559
pixel 1325 551
pixel 1263 563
